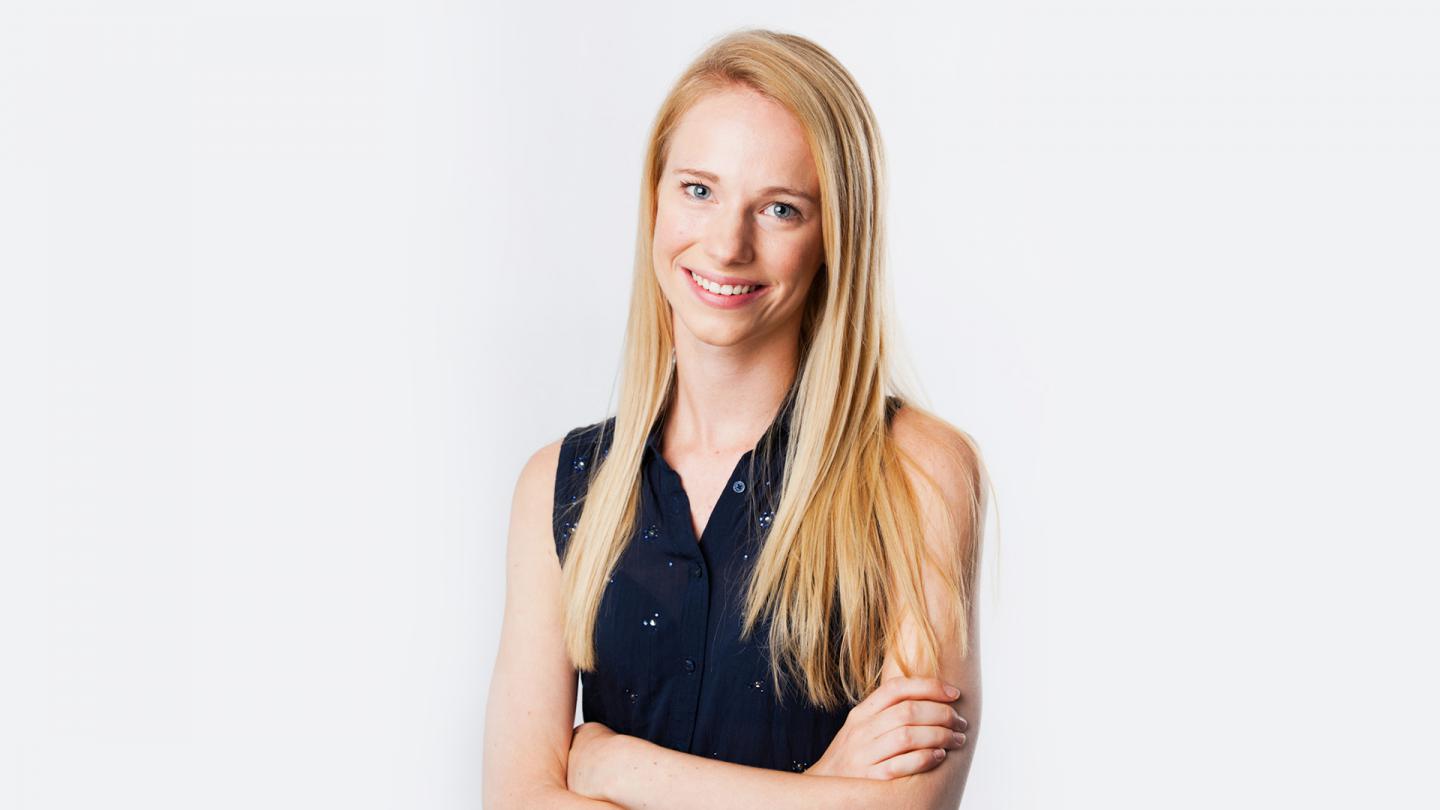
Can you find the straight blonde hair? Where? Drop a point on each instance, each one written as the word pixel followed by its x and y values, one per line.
pixel 845 549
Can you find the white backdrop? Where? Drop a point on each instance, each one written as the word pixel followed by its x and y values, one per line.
pixel 289 291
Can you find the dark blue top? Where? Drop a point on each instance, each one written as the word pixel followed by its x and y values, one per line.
pixel 671 667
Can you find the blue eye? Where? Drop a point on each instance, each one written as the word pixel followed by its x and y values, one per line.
pixel 790 212
pixel 794 213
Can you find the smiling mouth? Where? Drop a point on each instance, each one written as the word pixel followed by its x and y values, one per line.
pixel 716 288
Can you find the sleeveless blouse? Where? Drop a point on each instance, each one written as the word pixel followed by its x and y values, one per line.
pixel 671 667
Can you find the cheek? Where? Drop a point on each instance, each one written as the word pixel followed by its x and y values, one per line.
pixel 799 258
pixel 668 243
pixel 674 228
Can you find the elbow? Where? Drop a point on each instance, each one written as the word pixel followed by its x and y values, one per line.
pixel 901 793
pixel 503 796
pixel 515 796
pixel 940 788
pixel 920 796
pixel 516 789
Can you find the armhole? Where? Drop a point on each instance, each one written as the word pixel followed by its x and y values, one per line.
pixel 577 461
pixel 564 515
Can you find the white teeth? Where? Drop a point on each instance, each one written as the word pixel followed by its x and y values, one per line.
pixel 721 289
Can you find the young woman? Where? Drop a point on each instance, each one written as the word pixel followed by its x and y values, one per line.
pixel 764 565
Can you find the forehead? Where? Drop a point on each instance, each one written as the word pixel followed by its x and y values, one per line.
pixel 745 138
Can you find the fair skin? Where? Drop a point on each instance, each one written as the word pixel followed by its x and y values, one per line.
pixel 714 217
pixel 718 214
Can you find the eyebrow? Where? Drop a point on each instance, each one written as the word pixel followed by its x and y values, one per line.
pixel 712 177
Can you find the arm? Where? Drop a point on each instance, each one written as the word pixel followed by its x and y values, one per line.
pixel 635 773
pixel 531 709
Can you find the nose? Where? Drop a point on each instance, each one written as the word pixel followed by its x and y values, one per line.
pixel 727 237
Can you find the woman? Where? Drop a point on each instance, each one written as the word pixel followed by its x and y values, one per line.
pixel 752 555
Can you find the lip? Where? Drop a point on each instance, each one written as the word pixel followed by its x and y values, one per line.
pixel 721 301
pixel 719 279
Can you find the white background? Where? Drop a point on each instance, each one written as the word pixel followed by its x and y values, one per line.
pixel 290 290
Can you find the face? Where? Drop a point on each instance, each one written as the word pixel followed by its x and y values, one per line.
pixel 738 203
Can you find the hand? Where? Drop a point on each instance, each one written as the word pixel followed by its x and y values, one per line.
pixel 895 731
pixel 585 771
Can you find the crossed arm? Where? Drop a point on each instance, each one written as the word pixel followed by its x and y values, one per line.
pixel 534 758
pixel 634 773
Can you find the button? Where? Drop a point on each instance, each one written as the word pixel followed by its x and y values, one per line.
pixel 689 664
pixel 739 486
pixel 695 571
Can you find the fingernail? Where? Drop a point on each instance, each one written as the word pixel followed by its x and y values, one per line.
pixel 939 753
pixel 959 738
pixel 952 692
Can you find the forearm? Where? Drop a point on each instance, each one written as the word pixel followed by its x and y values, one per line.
pixel 645 775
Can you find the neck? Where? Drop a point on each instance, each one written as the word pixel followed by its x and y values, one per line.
pixel 726 396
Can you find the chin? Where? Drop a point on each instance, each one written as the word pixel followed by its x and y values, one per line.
pixel 713 334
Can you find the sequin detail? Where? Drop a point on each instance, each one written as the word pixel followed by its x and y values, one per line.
pixel 694 682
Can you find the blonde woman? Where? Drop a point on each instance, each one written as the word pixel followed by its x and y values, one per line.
pixel 763 566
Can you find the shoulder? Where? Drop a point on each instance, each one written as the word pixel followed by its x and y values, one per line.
pixel 533 489
pixel 588 443
pixel 551 467
pixel 580 451
pixel 943 459
pixel 947 478
pixel 559 475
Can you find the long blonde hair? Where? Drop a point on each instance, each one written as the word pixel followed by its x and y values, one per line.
pixel 845 548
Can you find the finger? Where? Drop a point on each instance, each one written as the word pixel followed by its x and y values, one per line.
pixel 917 713
pixel 914 738
pixel 906 764
pixel 894 690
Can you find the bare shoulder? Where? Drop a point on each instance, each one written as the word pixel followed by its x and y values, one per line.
pixel 535 488
pixel 947 476
pixel 941 457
